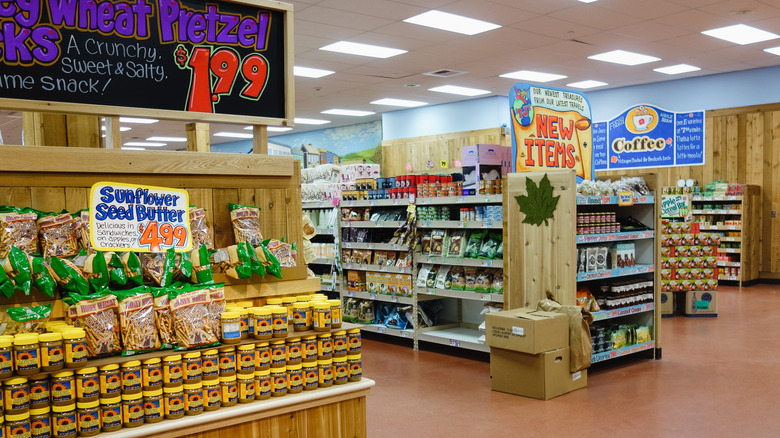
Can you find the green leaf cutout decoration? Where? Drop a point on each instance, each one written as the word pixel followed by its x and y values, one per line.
pixel 539 204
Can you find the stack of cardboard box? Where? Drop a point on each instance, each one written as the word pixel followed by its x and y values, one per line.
pixel 530 354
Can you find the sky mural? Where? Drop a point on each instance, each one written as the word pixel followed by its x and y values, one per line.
pixel 341 141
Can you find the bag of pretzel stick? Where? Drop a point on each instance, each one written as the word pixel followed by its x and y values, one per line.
pixel 163 318
pixel 69 276
pixel 97 315
pixel 136 321
pixel 217 306
pixel 132 266
pixel 192 322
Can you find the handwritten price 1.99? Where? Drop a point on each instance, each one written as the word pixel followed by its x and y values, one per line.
pixel 224 64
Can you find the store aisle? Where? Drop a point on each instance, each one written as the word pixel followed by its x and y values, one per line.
pixel 718 378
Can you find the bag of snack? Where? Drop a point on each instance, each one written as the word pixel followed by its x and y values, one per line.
pixel 199 228
pixel 217 306
pixel 193 325
pixel 95 269
pixel 457 278
pixel 163 318
pixel 159 267
pixel 474 243
pixel 7 287
pixel 42 276
pixel 437 242
pixel 286 253
pixel 116 270
pixel 69 276
pixel 136 321
pixel 471 278
pixel 183 268
pixel 237 260
pixel 456 243
pixel 18 267
pixel 489 247
pixel 133 270
pixel 97 314
pixel 246 223
pixel 27 319
pixel 58 237
pixel 201 265
pixel 82 227
pixel 18 227
pixel 269 261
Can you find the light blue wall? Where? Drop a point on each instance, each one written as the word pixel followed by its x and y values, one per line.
pixel 233 147
pixel 341 140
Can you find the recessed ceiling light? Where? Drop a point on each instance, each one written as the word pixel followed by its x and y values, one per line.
pixel 527 75
pixel 272 128
pixel 121 128
pixel 624 57
pixel 346 112
pixel 677 69
pixel 362 49
pixel 773 50
pixel 144 144
pixel 463 91
pixel 399 102
pixel 741 34
pixel 232 134
pixel 304 121
pixel 451 22
pixel 587 1
pixel 170 139
pixel 587 84
pixel 308 72
pixel 132 149
pixel 137 120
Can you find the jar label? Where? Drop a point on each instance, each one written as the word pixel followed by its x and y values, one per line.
pixel 324 347
pixel 111 417
pixel 40 428
pixel 244 325
pixel 151 376
pixel 52 356
pixel 76 352
pixel 325 375
pixel 88 421
pixel 322 319
pixel 263 326
pixel 246 390
pixel 19 431
pixel 251 325
pixel 64 425
pixel 355 369
pixel 6 364
pixel 295 381
pixel 340 345
pixel 174 405
pixel 193 401
pixel 110 383
pixel 133 412
pixel 152 408
pixel 26 360
pixel 209 368
pixel 231 330
pixel 280 324
pixel 246 361
pixel 131 380
pixel 280 383
pixel 311 378
pixel 192 370
pixel 294 353
pixel 213 397
pixel 87 387
pixel 279 355
pixel 227 364
pixel 229 393
pixel 341 373
pixel 354 343
pixel 310 349
pixel 263 358
pixel 172 373
pixel 335 315
pixel 62 391
pixel 39 392
pixel 299 320
pixel 16 398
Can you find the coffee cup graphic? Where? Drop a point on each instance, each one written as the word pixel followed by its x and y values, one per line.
pixel 642 121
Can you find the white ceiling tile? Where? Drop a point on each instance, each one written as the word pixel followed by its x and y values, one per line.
pixel 503 15
pixel 556 27
pixel 745 11
pixel 595 16
pixel 339 18
pixel 643 10
pixel 651 31
pixel 538 7
pixel 377 8
pixel 695 20
pixel 324 32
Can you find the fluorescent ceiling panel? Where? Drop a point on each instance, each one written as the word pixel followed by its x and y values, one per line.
pixel 168 139
pixel 451 22
pixel 347 112
pixel 362 49
pixel 304 121
pixel 273 128
pixel 677 69
pixel 587 1
pixel 535 76
pixel 773 50
pixel 461 91
pixel 121 128
pixel 308 72
pixel 399 102
pixel 587 84
pixel 741 34
pixel 132 149
pixel 624 57
pixel 144 144
pixel 232 134
pixel 137 120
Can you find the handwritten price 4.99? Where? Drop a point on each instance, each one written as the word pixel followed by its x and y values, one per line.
pixel 224 64
pixel 154 236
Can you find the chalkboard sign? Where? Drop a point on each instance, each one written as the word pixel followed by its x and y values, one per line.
pixel 189 59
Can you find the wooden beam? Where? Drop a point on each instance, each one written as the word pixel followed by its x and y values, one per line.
pixel 82 131
pixel 113 138
pixel 198 139
pixel 260 139
pixel 32 129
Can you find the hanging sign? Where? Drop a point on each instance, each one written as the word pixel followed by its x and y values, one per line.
pixel 551 130
pixel 648 136
pixel 201 60
pixel 125 217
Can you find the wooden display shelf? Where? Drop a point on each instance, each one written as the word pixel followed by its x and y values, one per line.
pixel 453 200
pixel 377 268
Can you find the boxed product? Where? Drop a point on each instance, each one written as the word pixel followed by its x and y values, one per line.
pixel 383 283
pixel 356 281
pixel 404 282
pixel 392 284
pixel 541 376
pixel 699 303
pixel 667 303
pixel 488 162
pixel 372 285
pixel 527 330
pixel 623 255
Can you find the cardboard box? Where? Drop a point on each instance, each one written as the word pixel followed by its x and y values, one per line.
pixel 356 281
pixel 484 162
pixel 372 283
pixel 404 284
pixel 698 303
pixel 542 376
pixel 667 303
pixel 527 330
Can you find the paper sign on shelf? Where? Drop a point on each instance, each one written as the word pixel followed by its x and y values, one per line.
pixel 131 217
pixel 625 199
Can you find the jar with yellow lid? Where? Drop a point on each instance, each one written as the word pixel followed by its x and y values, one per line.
pixel 246 387
pixel 263 323
pixel 88 418
pixel 63 421
pixel 278 353
pixel 273 301
pixel 212 395
pixel 18 425
pixel 243 319
pixel 151 374
pixel 294 379
pixel 193 398
pixel 244 304
pixel 340 343
pixel 231 327
pixel 111 414
pixel 87 385
pixel 75 344
pixel 335 313
pixel 173 402
pixel 304 298
pixel 16 395
pixel 321 315
pixel 40 422
pixel 355 365
pixel 132 409
pixel 52 352
pixel 262 356
pixel 325 375
pixel 6 358
pixel 209 363
pixel 301 316
pixel 131 377
pixel 310 375
pixel 110 380
pixel 294 351
pixel 279 324
pixel 288 303
pixel 309 347
pixel 353 341
pixel 40 391
pixel 153 405
pixel 227 361
pixel 318 297
pixel 278 381
pixel 173 375
pixel 229 389
pixel 193 367
pixel 263 384
pixel 27 358
pixel 324 346
pixel 63 389
pixel 246 359
pixel 340 370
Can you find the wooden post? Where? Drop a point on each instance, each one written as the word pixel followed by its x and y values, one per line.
pixel 82 131
pixel 260 139
pixel 113 138
pixel 32 129
pixel 66 130
pixel 198 137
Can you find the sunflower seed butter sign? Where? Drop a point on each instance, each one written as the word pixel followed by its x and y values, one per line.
pixel 648 136
pixel 126 217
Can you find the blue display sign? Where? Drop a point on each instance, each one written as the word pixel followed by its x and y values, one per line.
pixel 648 136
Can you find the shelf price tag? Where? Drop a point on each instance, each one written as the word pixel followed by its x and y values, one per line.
pixel 455 342
pixel 381 330
pixel 127 217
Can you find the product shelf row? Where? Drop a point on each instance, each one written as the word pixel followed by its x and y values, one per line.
pixel 461 224
pixel 462 294
pixel 615 237
pixel 625 351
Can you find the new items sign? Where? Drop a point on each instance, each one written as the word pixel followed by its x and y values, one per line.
pixel 126 217
pixel 551 130
pixel 648 136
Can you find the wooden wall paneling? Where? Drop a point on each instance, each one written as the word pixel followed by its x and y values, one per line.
pixel 47 198
pixel 324 420
pixel 751 232
pixel 732 162
pixel 709 149
pixel 223 228
pixel 773 239
pixel 83 131
pixel 353 418
pixel 76 198
pixel 15 196
pixel 285 426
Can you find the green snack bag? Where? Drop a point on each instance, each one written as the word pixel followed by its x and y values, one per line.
pixel 42 277
pixel 244 268
pixel 272 267
pixel 185 265
pixel 132 266
pixel 489 247
pixel 96 270
pixel 28 319
pixel 257 267
pixel 69 276
pixel 168 268
pixel 6 285
pixel 201 265
pixel 19 268
pixel 474 243
pixel 116 270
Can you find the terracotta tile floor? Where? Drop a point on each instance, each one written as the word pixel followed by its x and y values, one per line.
pixel 719 377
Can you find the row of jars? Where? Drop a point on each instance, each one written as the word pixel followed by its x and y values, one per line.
pixel 27 354
pixel 111 412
